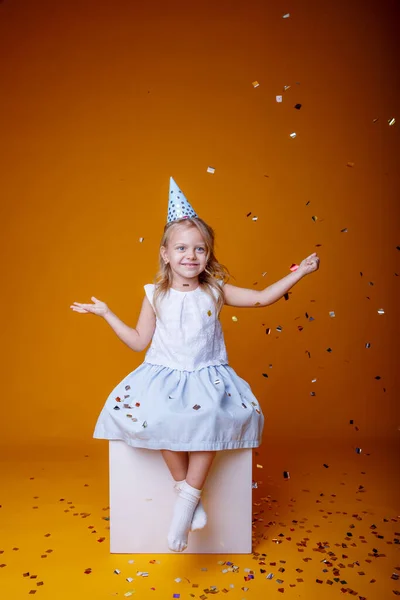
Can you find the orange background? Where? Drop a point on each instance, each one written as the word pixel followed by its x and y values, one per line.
pixel 103 101
pixel 100 103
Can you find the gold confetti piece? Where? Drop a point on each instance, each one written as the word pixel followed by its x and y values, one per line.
pixel 332 313
pixel 210 170
pixel 279 98
pixel 209 313
pixel 234 319
pixel 286 87
pixel 141 240
pixel 391 121
pixel 260 467
pixel 381 311
pixel 314 218
pixel 255 84
pixel 293 135
pixel 350 164
pixel 286 16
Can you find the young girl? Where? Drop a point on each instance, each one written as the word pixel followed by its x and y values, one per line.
pixel 184 399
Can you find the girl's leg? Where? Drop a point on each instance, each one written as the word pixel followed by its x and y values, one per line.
pixel 199 466
pixel 177 463
pixel 188 498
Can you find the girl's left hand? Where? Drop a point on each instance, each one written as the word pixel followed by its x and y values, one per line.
pixel 309 264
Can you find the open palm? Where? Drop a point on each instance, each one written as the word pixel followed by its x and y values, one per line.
pixel 97 308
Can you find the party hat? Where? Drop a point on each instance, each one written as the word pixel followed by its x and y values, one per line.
pixel 178 206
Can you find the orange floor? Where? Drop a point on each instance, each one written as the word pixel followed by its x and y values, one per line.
pixel 325 532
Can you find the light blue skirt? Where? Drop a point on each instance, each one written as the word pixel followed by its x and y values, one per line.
pixel 160 408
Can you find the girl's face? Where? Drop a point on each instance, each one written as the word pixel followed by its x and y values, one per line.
pixel 186 253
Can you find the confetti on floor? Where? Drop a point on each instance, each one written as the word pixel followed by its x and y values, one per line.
pixel 332 522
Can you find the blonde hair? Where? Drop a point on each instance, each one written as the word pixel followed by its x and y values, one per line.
pixel 207 278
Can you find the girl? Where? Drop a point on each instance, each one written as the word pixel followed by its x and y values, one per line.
pixel 184 399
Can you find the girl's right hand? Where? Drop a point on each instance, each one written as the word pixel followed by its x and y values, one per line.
pixel 98 308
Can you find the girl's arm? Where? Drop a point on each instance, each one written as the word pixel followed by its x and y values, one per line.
pixel 137 339
pixel 245 298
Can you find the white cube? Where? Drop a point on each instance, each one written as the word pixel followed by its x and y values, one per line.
pixel 142 498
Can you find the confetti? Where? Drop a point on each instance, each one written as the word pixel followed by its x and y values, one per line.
pixel 255 84
pixel 210 170
pixel 279 98
pixel 391 121
pixel 293 135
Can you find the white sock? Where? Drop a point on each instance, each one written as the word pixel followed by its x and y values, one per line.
pixel 188 498
pixel 200 516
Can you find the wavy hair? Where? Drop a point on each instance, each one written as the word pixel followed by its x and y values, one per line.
pixel 207 279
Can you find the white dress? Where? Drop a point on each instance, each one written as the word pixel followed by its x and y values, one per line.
pixel 184 396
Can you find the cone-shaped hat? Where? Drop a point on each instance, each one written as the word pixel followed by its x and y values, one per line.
pixel 178 206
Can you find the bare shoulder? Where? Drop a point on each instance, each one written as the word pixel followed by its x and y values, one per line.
pixel 242 297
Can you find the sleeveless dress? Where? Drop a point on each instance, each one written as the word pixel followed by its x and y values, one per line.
pixel 184 396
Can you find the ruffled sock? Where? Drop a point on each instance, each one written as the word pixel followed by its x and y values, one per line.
pixel 200 516
pixel 188 499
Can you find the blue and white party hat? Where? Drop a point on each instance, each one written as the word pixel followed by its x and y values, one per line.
pixel 178 206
